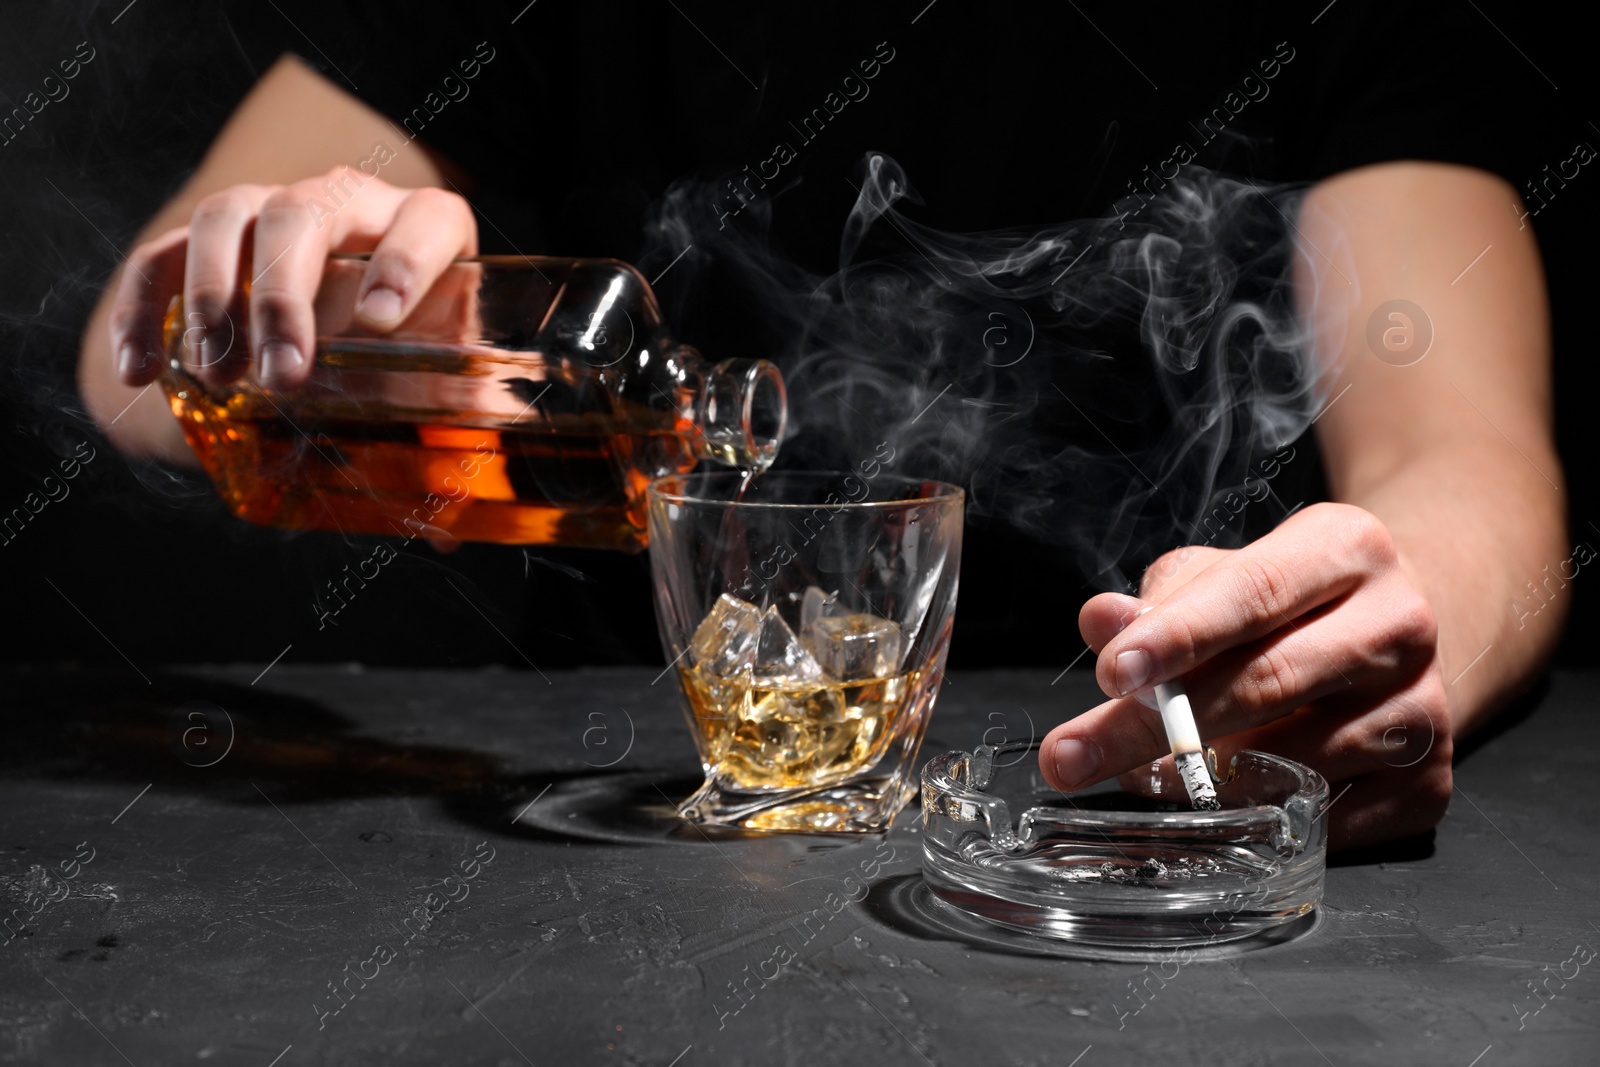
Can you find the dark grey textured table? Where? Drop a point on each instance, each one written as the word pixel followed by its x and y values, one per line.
pixel 254 888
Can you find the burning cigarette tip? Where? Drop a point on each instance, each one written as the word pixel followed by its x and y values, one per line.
pixel 1177 717
pixel 1197 781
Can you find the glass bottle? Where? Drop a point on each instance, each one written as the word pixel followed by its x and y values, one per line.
pixel 527 400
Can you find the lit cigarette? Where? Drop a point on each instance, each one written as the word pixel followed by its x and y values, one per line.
pixel 1178 718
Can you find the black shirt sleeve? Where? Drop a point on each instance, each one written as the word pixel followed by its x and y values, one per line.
pixel 1434 82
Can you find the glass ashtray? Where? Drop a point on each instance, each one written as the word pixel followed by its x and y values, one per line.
pixel 1105 867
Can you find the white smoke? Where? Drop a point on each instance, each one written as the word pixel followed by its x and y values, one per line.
pixel 1098 384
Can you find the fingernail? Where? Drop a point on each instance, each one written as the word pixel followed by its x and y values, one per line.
pixel 1134 669
pixel 1076 762
pixel 279 360
pixel 129 359
pixel 380 305
pixel 1147 697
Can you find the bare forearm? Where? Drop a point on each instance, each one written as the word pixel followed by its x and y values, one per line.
pixel 1476 523
pixel 1449 445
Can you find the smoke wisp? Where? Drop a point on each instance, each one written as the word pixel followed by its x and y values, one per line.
pixel 1100 385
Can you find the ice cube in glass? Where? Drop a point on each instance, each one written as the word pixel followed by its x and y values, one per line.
pixel 780 658
pixel 855 647
pixel 725 641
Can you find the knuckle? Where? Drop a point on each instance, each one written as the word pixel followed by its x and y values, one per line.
pixel 207 296
pixel 1264 585
pixel 1430 792
pixel 274 305
pixel 438 201
pixel 1162 569
pixel 288 204
pixel 1416 627
pixel 1407 637
pixel 1367 537
pixel 1435 712
pixel 226 205
pixel 1412 730
pixel 1269 680
pixel 331 188
pixel 124 319
pixel 1181 640
pixel 396 266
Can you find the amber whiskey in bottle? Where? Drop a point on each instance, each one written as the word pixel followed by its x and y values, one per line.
pixel 527 400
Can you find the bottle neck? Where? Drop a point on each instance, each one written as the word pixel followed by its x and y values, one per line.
pixel 741 412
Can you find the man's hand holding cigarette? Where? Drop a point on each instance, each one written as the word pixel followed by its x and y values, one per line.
pixel 1365 637
pixel 1310 643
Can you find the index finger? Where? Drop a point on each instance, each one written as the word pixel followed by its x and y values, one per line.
pixel 1316 556
pixel 151 277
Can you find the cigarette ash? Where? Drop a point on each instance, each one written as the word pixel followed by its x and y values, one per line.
pixel 1197 781
pixel 1150 873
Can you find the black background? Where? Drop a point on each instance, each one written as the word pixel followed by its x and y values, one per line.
pixel 142 563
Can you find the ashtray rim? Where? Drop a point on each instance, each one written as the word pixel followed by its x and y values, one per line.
pixel 1266 863
pixel 1313 790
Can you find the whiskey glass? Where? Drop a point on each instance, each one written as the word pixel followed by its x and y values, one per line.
pixel 807 617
